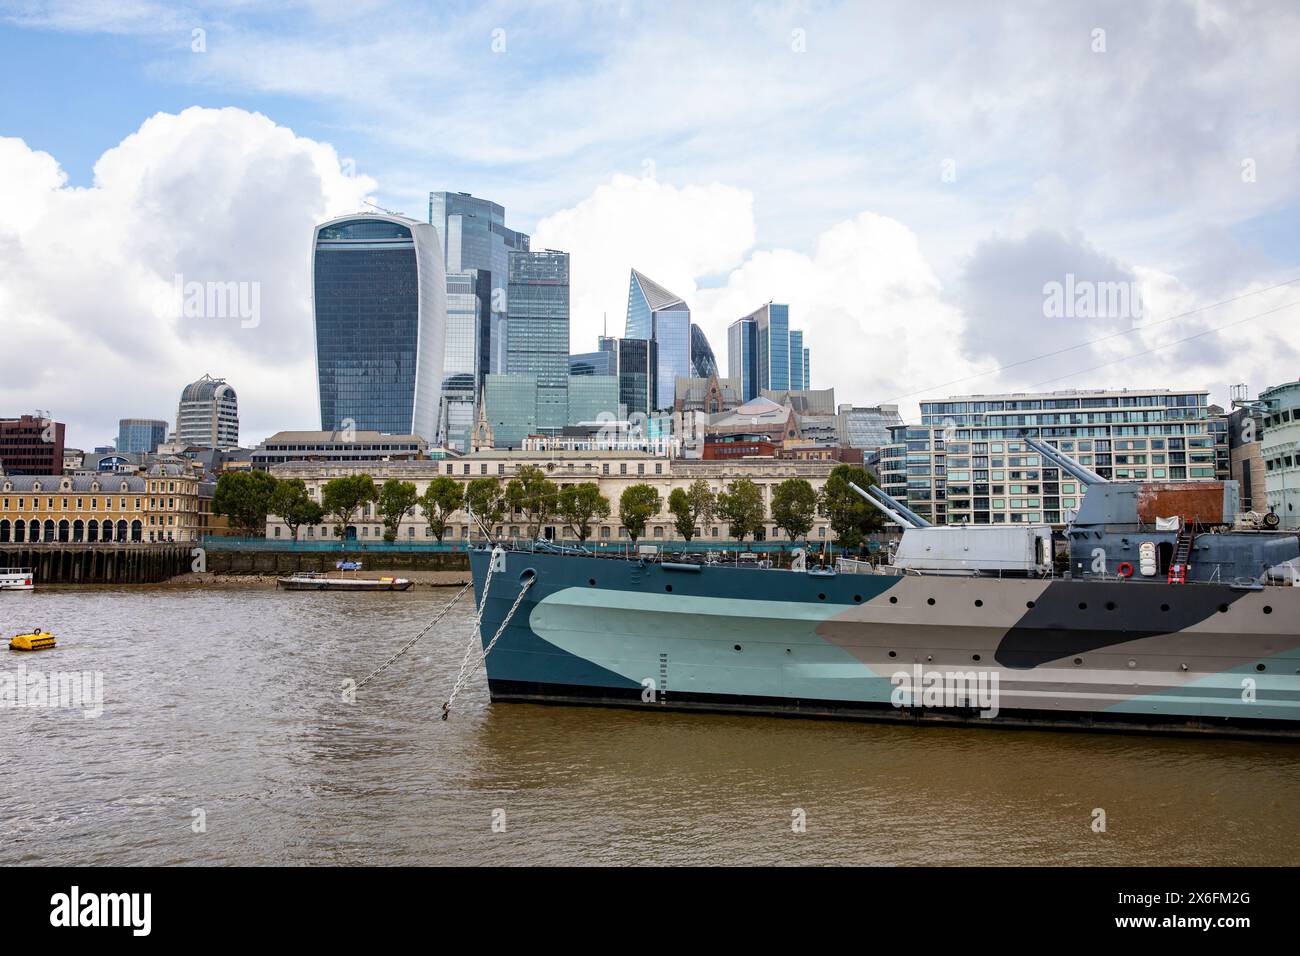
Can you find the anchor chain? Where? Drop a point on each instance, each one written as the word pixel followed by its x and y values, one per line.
pixel 411 643
pixel 467 672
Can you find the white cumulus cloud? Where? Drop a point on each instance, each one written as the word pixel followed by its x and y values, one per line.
pixel 86 274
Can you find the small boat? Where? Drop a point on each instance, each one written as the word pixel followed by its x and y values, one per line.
pixel 16 579
pixel 316 581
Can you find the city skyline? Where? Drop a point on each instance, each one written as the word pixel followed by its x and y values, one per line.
pixel 937 238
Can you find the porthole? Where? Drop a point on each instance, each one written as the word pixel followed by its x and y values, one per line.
pixel 591 581
pixel 1164 607
pixel 979 603
pixel 1223 609
pixel 929 601
pixel 1083 605
pixel 1078 661
pixel 668 588
pixel 857 599
pixel 737 647
pixel 1259 667
pixel 893 600
pixel 1132 663
pixel 975 657
pixel 1110 605
pixel 821 597
pixel 1030 605
pixel 1268 609
pixel 893 653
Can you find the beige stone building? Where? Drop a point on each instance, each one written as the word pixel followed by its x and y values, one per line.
pixel 161 505
pixel 613 471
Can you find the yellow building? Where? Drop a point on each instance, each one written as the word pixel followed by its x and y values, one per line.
pixel 161 505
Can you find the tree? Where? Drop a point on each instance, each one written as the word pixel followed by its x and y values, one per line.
pixel 579 505
pixel 442 497
pixel 691 506
pixel 794 506
pixel 343 497
pixel 850 517
pixel 295 507
pixel 636 506
pixel 741 506
pixel 532 493
pixel 245 498
pixel 483 497
pixel 396 501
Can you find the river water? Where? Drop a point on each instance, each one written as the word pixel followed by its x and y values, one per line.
pixel 223 713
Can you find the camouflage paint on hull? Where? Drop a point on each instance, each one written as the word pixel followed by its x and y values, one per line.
pixel 1164 657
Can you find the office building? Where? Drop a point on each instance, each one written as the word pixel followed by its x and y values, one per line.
pixel 868 426
pixel 967 460
pixel 474 236
pixel 379 306
pixel 764 353
pixel 336 447
pixel 207 415
pixel 655 314
pixel 537 330
pixel 31 445
pixel 703 362
pixel 1280 450
pixel 593 363
pixel 515 404
pixel 637 367
pixel 462 378
pixel 140 435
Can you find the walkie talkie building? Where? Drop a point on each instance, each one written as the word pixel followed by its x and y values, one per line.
pixel 379 307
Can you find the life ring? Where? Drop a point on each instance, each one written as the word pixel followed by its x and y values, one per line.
pixel 1125 570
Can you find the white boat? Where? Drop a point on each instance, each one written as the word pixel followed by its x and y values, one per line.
pixel 16 579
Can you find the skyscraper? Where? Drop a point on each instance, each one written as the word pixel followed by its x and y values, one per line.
pixel 208 414
pixel 765 353
pixel 140 435
pixel 474 236
pixel 636 363
pixel 537 330
pixel 654 313
pixel 703 363
pixel 379 307
pixel 467 316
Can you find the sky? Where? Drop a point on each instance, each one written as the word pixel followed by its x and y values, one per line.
pixel 917 187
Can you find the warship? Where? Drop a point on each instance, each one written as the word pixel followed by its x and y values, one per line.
pixel 1173 615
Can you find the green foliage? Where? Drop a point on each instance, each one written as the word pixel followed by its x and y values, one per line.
pixel 442 497
pixel 850 517
pixel 741 506
pixel 344 497
pixel 637 505
pixel 295 507
pixel 534 495
pixel 579 505
pixel 396 500
pixel 794 507
pixel 245 498
pixel 691 506
pixel 483 496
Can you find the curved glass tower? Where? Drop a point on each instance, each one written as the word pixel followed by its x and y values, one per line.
pixel 379 307
pixel 654 313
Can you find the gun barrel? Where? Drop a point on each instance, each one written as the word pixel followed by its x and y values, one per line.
pixel 880 506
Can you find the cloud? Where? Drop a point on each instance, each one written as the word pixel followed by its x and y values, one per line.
pixel 87 275
pixel 677 236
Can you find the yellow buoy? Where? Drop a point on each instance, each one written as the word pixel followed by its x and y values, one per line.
pixel 35 641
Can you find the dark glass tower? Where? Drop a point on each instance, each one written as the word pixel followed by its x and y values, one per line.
pixel 379 306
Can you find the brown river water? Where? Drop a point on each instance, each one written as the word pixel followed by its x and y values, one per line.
pixel 223 712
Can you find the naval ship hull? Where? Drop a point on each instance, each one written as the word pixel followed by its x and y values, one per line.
pixel 1121 655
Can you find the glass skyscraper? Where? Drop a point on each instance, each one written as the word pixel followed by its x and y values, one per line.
pixel 654 313
pixel 140 435
pixel 537 330
pixel 593 363
pixel 461 379
pixel 474 237
pixel 379 307
pixel 702 360
pixel 765 353
pixel 637 366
